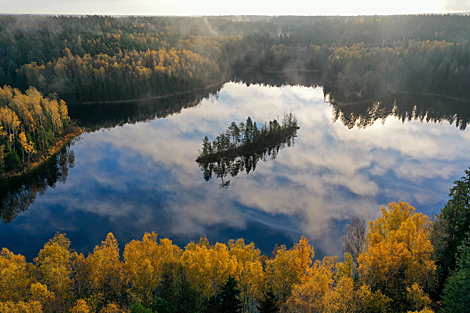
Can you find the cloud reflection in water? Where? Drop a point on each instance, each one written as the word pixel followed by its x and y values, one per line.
pixel 144 177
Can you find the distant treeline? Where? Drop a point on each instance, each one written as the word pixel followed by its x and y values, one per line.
pixel 364 71
pixel 126 75
pixel 31 128
pixel 95 58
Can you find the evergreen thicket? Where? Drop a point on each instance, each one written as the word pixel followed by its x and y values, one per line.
pixel 246 138
pixel 242 146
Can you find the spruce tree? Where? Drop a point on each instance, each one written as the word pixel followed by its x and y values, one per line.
pixel 229 301
pixel 269 304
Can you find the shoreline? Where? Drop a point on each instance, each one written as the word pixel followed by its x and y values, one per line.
pixel 61 142
pixel 220 83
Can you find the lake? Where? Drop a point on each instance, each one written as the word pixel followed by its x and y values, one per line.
pixel 138 174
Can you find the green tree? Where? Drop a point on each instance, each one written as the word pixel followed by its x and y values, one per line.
pixel 269 304
pixel 449 229
pixel 228 299
pixel 206 146
pixel 139 308
pixel 456 296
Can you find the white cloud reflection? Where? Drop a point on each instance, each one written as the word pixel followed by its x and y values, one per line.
pixel 148 170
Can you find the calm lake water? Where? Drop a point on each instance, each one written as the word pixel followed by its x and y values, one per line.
pixel 142 176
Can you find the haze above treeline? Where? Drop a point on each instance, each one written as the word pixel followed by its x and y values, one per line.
pixel 242 7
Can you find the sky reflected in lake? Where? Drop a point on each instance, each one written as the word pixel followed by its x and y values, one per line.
pixel 143 177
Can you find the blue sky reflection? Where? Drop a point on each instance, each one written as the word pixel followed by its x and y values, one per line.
pixel 144 177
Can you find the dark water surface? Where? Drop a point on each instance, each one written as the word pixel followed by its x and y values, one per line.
pixel 141 175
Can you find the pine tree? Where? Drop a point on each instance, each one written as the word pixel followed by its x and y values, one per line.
pixel 229 301
pixel 449 229
pixel 269 304
pixel 456 296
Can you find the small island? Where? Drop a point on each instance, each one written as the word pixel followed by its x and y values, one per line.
pixel 247 138
pixel 32 129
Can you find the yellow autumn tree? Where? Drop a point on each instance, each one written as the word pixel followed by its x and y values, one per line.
pixel 288 266
pixel 21 307
pixel 81 275
pixel 112 308
pixel 54 264
pixel 208 267
pixel 398 254
pixel 343 296
pixel 28 146
pixel 40 293
pixel 144 264
pixel 249 271
pixel 308 295
pixel 14 276
pixel 80 307
pixel 372 301
pixel 107 275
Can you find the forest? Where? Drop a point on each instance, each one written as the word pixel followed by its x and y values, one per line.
pixel 402 262
pixel 101 58
pixel 32 128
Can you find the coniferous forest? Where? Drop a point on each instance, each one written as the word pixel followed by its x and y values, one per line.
pixel 402 262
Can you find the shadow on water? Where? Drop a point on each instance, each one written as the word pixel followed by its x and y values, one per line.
pixel 277 78
pixel 18 193
pixel 97 116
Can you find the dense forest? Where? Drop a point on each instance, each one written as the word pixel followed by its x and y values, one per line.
pixel 95 58
pixel 399 263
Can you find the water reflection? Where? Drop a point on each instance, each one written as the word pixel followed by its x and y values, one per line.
pixel 18 193
pixel 142 177
pixel 98 116
pixel 406 107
